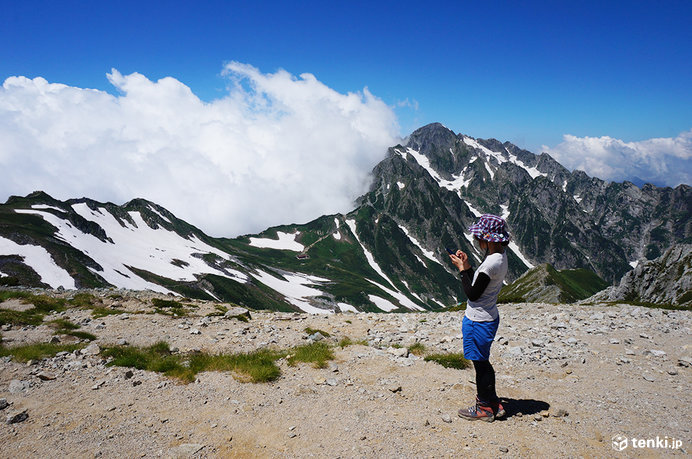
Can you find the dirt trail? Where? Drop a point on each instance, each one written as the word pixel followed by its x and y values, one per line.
pixel 574 377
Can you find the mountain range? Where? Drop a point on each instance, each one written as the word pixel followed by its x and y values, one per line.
pixel 387 254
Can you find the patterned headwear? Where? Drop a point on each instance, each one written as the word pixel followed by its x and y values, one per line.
pixel 490 228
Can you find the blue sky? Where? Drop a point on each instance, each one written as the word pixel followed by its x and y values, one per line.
pixel 527 72
pixel 612 75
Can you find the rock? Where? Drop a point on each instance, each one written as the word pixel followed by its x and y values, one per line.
pixel 559 413
pixel 614 341
pixel 45 376
pixel 504 449
pixel 685 361
pixel 398 351
pixel 122 342
pixel 54 340
pixel 236 312
pixel 332 382
pixel 3 403
pixel 446 418
pixel 317 336
pixel 649 378
pixel 17 386
pixel 17 416
pixel 657 353
pixel 194 331
pixel 319 380
pixel 394 388
pixel 129 374
pixel 92 349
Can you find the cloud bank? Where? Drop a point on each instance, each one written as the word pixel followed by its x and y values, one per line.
pixel 275 149
pixel 664 161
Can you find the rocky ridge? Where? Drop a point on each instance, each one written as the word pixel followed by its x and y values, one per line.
pixel 665 280
pixel 573 377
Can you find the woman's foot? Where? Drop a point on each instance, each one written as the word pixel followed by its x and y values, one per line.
pixel 478 411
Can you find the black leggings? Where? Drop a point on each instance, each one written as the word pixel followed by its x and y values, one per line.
pixel 485 381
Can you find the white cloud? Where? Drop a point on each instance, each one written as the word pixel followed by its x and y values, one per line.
pixel 666 161
pixel 276 149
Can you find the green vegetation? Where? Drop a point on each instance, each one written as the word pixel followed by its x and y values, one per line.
pixel 65 327
pixel 170 307
pixel 256 366
pixel 449 360
pixel 63 324
pixel 316 353
pixel 42 305
pixel 100 311
pixel 417 349
pixel 312 331
pixel 37 351
pixel 568 286
pixel 84 300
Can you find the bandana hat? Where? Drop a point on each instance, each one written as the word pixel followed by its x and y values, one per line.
pixel 490 228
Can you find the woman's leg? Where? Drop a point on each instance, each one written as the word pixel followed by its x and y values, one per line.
pixel 485 381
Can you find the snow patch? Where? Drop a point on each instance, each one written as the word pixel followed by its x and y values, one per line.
pixel 159 214
pixel 381 303
pixel 138 246
pixel 347 307
pixel 505 211
pixel 401 185
pixel 405 301
pixel 286 241
pixel 532 171
pixel 371 260
pixel 428 254
pixel 473 210
pixel 515 248
pixel 46 206
pixel 634 263
pixel 40 261
pixel 295 287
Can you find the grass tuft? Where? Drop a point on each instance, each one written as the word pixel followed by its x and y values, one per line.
pixel 316 353
pixel 449 360
pixel 312 331
pixel 37 351
pixel 257 366
pixel 417 349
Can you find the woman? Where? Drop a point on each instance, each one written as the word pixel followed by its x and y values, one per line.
pixel 482 318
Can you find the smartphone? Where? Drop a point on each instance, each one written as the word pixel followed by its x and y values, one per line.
pixel 450 251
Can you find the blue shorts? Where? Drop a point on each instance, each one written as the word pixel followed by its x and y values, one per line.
pixel 478 336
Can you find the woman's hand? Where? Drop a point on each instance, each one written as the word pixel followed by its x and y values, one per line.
pixel 460 260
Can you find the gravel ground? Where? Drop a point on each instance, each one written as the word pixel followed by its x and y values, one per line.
pixel 573 377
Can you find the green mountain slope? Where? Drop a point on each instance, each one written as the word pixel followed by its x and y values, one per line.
pixel 544 284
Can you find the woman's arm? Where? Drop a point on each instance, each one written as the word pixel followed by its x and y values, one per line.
pixel 472 291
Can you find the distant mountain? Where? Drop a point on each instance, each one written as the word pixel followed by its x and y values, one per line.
pixel 544 284
pixel 386 254
pixel 665 280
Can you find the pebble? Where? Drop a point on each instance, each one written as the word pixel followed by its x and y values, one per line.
pixel 3 403
pixel 45 376
pixel 17 386
pixel 504 449
pixel 17 416
pixel 446 418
